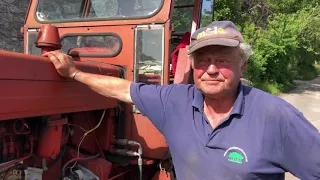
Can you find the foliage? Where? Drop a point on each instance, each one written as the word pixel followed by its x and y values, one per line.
pixel 272 88
pixel 181 16
pixel 317 66
pixel 290 6
pixel 284 36
pixel 307 73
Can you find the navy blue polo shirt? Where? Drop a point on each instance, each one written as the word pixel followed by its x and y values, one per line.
pixel 262 138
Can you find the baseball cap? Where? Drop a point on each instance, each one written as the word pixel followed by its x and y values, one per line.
pixel 223 33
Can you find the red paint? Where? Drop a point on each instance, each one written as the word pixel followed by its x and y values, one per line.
pixel 48 38
pixel 22 130
pixel 39 90
pixel 183 71
pixel 51 133
pixel 174 55
pixel 163 175
pixel 8 164
pixel 105 131
pixel 82 119
pixel 100 167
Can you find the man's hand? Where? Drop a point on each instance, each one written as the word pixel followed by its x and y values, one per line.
pixel 108 86
pixel 63 63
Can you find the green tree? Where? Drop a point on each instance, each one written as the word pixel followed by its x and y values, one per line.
pixel 181 17
pixel 223 10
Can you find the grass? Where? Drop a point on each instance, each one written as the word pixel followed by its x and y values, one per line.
pixel 308 75
pixel 302 73
pixel 271 88
pixel 274 88
pixel 288 87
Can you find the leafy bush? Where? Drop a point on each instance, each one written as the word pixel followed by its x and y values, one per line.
pixel 307 72
pixel 283 51
pixel 271 88
pixel 284 36
pixel 317 66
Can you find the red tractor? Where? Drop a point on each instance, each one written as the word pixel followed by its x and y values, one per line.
pixel 55 128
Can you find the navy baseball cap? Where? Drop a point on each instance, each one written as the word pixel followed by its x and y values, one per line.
pixel 223 33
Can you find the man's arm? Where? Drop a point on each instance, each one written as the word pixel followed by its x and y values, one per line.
pixel 301 146
pixel 105 85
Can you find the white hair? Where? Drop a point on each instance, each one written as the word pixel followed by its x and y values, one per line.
pixel 246 52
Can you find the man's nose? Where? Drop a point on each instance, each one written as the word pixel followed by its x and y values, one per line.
pixel 212 69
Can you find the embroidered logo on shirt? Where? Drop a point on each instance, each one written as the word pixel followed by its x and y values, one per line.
pixel 236 155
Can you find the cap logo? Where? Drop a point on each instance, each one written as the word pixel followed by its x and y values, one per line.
pixel 210 31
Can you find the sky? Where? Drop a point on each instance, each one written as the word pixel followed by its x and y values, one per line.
pixel 206 5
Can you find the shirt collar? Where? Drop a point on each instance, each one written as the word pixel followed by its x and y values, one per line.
pixel 238 107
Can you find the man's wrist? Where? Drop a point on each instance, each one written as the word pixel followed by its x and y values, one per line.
pixel 74 75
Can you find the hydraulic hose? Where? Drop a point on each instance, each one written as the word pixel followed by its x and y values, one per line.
pixel 126 142
pixel 125 152
pixel 140 167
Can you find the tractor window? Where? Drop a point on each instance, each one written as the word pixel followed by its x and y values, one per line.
pixel 70 10
pixel 182 22
pixel 182 15
pixel 149 50
pixel 103 45
pixel 183 2
pixel 31 39
pixel 149 55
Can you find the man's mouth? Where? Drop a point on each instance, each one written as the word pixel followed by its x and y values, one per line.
pixel 213 82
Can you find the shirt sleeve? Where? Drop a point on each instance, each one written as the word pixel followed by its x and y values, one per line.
pixel 301 146
pixel 151 101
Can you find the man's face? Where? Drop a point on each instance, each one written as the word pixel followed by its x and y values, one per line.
pixel 217 70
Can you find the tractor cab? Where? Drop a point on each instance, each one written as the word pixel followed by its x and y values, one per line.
pixel 142 32
pixel 140 40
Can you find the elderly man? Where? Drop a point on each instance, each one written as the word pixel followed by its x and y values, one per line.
pixel 217 128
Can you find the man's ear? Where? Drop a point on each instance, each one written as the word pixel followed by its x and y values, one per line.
pixel 244 65
pixel 192 63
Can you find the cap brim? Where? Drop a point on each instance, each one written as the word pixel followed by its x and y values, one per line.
pixel 216 41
